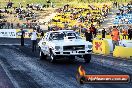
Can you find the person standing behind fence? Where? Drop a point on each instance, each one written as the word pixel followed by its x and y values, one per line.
pixel 22 37
pixel 88 35
pixel 103 33
pixel 12 25
pixel 130 33
pixel 1 25
pixel 34 35
pixel 124 32
pixel 115 37
pixel 42 34
pixel 93 30
pixel 8 25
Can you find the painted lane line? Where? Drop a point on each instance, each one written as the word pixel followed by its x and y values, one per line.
pixel 13 44
pixel 15 84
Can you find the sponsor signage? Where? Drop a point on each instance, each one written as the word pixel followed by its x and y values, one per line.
pixel 14 33
pixel 9 33
pixel 82 77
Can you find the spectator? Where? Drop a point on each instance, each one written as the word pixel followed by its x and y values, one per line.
pixel 49 28
pixel 42 34
pixel 20 5
pixel 130 33
pixel 9 4
pixel 88 35
pixel 1 26
pixel 34 40
pixel 18 25
pixel 116 4
pixel 22 37
pixel 12 25
pixel 115 37
pixel 8 25
pixel 124 32
pixel 103 33
pixel 93 30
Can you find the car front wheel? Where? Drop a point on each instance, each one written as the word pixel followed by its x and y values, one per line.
pixel 52 57
pixel 42 56
pixel 87 58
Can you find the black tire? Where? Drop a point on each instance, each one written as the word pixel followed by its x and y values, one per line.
pixel 78 77
pixel 71 58
pixel 42 56
pixel 52 57
pixel 87 58
pixel 82 80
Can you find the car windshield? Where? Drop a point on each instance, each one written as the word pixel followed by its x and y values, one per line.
pixel 57 36
pixel 72 35
pixel 62 35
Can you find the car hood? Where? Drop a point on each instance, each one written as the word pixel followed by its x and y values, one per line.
pixel 69 42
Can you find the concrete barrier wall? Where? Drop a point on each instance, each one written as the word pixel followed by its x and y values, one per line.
pixel 123 52
pixel 125 43
pixel 110 44
pixel 101 47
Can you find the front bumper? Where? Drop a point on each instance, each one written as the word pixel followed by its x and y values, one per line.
pixel 79 52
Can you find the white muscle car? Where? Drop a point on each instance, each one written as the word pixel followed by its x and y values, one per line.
pixel 64 43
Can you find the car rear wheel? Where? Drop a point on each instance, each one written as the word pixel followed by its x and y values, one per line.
pixel 87 58
pixel 42 56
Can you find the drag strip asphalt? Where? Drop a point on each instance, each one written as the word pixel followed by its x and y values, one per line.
pixel 28 71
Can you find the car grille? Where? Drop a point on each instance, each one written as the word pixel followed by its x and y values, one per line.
pixel 74 47
pixel 66 52
pixel 81 52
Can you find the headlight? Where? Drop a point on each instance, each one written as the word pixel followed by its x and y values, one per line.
pixel 43 43
pixel 89 46
pixel 57 47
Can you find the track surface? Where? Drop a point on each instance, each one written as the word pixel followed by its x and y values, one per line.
pixel 25 70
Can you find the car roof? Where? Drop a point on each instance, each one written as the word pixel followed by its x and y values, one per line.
pixel 63 31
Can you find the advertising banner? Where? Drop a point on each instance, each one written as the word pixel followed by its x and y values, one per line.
pixel 8 33
pixel 14 33
pixel 27 33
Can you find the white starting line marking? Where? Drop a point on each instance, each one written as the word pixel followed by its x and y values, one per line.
pixel 124 65
pixel 13 81
pixel 13 44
